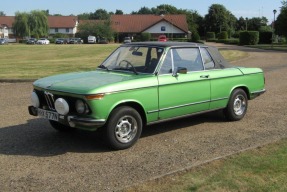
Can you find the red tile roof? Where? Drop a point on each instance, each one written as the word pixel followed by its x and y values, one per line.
pixel 62 21
pixel 139 23
pixel 53 21
pixel 7 20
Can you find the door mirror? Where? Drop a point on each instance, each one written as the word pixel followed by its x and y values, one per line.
pixel 180 70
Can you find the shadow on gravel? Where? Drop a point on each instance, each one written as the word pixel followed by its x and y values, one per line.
pixel 38 138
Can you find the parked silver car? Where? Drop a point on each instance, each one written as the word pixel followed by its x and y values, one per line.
pixel 3 41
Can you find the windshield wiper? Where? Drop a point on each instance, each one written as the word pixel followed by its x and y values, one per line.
pixel 103 67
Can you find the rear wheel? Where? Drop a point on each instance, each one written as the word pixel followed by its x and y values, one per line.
pixel 124 128
pixel 60 127
pixel 237 105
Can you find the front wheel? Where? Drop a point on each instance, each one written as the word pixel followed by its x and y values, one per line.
pixel 237 105
pixel 124 127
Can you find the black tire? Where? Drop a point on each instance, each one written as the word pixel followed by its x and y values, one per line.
pixel 60 127
pixel 123 128
pixel 237 105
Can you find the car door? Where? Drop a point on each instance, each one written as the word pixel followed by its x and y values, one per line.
pixel 183 93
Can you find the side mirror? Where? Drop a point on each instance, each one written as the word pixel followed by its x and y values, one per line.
pixel 180 70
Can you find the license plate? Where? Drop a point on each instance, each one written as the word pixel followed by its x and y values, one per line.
pixel 48 114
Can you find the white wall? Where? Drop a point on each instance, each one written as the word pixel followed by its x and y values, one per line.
pixel 169 28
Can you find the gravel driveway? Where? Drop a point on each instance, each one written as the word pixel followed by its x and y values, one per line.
pixel 34 157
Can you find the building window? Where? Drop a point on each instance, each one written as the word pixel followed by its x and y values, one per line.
pixel 56 30
pixel 67 30
pixel 162 28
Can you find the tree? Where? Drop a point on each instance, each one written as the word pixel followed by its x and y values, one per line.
pixel 34 24
pixel 100 14
pixel 38 23
pixel 281 21
pixel 99 29
pixel 20 25
pixel 119 12
pixel 216 19
pixel 255 23
pixel 2 13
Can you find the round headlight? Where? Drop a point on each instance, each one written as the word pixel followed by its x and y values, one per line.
pixel 80 106
pixel 35 99
pixel 61 106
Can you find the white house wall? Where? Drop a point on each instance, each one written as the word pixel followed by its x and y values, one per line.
pixel 169 28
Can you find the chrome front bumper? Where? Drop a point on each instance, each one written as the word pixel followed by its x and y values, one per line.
pixel 74 121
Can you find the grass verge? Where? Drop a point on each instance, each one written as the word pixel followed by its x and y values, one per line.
pixel 260 169
pixel 20 61
pixel 275 47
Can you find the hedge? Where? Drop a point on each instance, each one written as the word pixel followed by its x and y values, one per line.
pixel 265 37
pixel 249 38
pixel 222 35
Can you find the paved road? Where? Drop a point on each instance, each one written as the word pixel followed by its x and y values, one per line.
pixel 34 157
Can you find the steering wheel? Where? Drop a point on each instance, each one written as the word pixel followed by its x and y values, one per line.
pixel 126 62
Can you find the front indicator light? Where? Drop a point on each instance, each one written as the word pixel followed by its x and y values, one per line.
pixel 96 96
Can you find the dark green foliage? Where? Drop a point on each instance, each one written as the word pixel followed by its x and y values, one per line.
pixel 281 22
pixel 222 35
pixel 249 38
pixel 60 35
pixel 265 37
pixel 33 24
pixel 228 41
pixel 195 37
pixel 145 37
pixel 210 35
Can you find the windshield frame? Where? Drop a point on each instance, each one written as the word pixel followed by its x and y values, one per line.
pixel 137 59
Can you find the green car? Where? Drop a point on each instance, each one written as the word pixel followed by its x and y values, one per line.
pixel 145 83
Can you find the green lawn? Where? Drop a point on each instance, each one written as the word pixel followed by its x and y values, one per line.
pixel 20 61
pixel 261 169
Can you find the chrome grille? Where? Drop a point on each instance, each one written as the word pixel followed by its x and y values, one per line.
pixel 50 100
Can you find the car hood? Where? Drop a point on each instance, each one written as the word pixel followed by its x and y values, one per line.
pixel 87 82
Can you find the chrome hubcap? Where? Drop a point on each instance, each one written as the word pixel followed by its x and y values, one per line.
pixel 126 129
pixel 239 105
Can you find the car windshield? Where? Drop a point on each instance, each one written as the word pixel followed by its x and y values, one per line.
pixel 134 59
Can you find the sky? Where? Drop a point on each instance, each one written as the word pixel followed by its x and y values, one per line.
pixel 244 8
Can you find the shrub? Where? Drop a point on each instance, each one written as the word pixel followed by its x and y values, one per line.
pixel 23 41
pixel 249 38
pixel 211 40
pixel 195 37
pixel 210 35
pixel 265 37
pixel 222 35
pixel 145 36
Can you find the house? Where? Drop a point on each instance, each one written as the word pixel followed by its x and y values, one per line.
pixel 63 24
pixel 57 24
pixel 173 26
pixel 6 23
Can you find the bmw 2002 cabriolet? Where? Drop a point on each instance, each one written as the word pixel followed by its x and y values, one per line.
pixel 146 83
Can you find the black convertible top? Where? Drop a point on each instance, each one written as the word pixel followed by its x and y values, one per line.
pixel 220 62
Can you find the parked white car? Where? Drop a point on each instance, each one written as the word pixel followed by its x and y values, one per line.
pixel 43 41
pixel 92 39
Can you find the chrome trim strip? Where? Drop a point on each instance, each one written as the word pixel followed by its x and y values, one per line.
pixel 185 105
pixel 183 116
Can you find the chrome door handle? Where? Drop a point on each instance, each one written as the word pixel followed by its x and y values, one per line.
pixel 204 76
